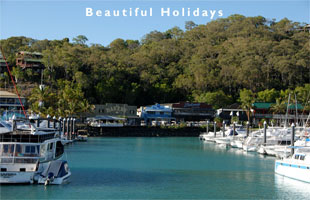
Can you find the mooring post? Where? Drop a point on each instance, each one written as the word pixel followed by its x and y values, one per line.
pixel 48 121
pixel 265 133
pixel 214 129
pixel 234 128
pixel 63 126
pixel 247 129
pixel 223 128
pixel 68 130
pixel 293 138
pixel 208 126
pixel 59 126
pixel 54 122
pixel 73 128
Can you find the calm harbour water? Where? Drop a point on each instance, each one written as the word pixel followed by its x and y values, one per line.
pixel 163 168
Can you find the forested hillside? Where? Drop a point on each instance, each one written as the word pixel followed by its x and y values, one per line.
pixel 210 63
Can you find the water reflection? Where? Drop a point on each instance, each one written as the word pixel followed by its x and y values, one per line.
pixel 287 187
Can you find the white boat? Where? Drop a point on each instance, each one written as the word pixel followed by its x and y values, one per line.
pixel 224 140
pixel 296 166
pixel 56 173
pixel 210 137
pixel 252 143
pixel 25 154
pixel 82 136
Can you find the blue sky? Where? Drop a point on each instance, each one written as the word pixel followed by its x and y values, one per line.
pixel 46 19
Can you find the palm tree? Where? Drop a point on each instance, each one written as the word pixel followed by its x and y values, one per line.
pixel 247 99
pixel 278 107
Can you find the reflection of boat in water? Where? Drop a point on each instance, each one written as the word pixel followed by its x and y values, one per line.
pixel 290 186
pixel 24 154
pixel 296 166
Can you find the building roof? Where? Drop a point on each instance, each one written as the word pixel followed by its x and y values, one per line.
pixel 191 105
pixel 157 107
pixel 267 105
pixel 105 117
pixel 6 94
pixel 32 53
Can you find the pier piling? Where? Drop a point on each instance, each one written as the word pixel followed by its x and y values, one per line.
pixel 207 126
pixel 265 133
pixel 73 127
pixel 68 130
pixel 64 126
pixel 48 121
pixel 234 128
pixel 214 129
pixel 54 122
pixel 247 129
pixel 223 128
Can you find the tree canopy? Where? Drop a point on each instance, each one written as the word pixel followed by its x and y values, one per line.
pixel 210 63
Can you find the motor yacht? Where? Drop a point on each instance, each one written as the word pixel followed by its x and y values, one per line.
pixel 24 154
pixel 297 166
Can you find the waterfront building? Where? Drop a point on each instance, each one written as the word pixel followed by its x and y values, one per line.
pixel 263 110
pixel 156 114
pixel 230 111
pixel 117 110
pixel 191 111
pixel 30 60
pixel 9 101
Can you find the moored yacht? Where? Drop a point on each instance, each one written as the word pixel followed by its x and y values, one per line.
pixel 296 166
pixel 25 154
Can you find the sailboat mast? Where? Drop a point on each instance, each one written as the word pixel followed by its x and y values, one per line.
pixel 288 104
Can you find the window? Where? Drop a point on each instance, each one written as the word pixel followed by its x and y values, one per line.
pixel 302 157
pixel 51 146
pixel 161 113
pixel 8 149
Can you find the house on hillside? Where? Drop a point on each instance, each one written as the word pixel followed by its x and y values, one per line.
pixel 30 60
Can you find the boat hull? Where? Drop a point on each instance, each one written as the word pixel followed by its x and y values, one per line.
pixel 16 177
pixel 294 171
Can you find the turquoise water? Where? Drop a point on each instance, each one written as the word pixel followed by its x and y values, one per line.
pixel 163 168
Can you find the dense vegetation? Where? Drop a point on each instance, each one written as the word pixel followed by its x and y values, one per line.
pixel 211 63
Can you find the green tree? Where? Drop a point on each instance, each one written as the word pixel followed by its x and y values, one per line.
pixel 18 74
pixel 279 107
pixel 217 99
pixel 268 95
pixel 247 99
pixel 80 39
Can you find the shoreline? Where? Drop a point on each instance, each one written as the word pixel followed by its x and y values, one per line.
pixel 144 131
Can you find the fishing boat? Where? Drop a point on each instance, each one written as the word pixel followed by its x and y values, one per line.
pixel 25 154
pixel 297 166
